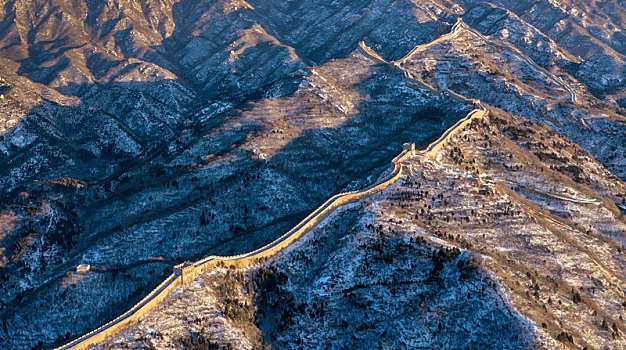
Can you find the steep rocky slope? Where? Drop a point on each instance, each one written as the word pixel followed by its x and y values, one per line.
pixel 494 243
pixel 138 134
pixel 341 121
pixel 498 73
pixel 591 31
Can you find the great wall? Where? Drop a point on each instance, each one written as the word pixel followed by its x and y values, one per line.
pixel 456 30
pixel 187 272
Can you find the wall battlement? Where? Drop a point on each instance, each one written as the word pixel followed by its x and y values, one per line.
pixel 187 272
pixel 409 147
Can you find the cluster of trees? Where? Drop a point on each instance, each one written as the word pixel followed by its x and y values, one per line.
pixel 565 337
pixel 442 256
pixel 515 133
pixel 201 340
pixel 235 306
pixel 277 304
pixel 543 156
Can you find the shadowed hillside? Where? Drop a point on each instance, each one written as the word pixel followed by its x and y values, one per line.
pixel 139 134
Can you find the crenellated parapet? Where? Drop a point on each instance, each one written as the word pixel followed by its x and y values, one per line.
pixel 409 148
pixel 187 272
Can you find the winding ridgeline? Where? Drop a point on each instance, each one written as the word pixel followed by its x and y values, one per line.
pixel 132 133
pixel 187 272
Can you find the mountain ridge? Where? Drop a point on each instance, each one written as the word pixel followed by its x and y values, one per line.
pixel 135 135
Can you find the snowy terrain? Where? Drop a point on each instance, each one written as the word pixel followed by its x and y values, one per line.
pixel 135 135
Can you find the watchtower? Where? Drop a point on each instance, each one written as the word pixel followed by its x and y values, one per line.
pixel 185 271
pixel 410 147
pixel 83 268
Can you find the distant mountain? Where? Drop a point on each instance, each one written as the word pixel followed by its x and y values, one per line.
pixel 139 134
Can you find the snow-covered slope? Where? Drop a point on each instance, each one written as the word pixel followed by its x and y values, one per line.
pixel 138 134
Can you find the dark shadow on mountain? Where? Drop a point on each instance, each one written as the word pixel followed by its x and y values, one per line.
pixel 162 167
pixel 127 177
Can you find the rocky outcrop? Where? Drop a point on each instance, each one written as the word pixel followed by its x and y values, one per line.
pixel 137 134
